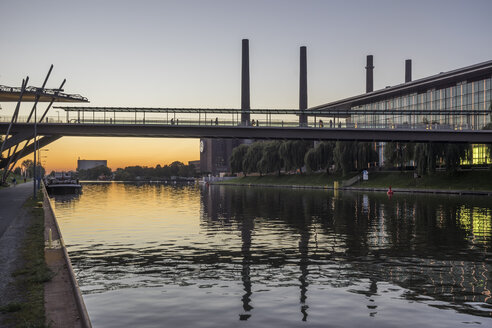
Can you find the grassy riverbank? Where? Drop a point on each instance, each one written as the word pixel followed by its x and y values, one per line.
pixel 317 179
pixel 30 278
pixel 463 180
pixel 466 180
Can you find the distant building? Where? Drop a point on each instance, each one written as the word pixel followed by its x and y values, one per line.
pixel 196 164
pixel 83 164
pixel 215 154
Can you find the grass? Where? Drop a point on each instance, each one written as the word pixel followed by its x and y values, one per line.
pixel 19 178
pixel 316 179
pixel 31 277
pixel 462 180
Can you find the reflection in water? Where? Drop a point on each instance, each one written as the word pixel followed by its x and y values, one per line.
pixel 437 249
pixel 432 250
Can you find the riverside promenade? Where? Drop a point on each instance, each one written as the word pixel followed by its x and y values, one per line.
pixel 14 219
pixel 62 300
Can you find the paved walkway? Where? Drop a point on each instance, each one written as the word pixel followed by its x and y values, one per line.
pixel 11 201
pixel 13 222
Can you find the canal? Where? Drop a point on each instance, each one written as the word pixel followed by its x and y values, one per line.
pixel 153 255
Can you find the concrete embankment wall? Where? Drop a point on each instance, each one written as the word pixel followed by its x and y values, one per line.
pixel 64 304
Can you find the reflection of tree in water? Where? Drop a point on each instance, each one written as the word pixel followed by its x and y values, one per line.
pixel 407 240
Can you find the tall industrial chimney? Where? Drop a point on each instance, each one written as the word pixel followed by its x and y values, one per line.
pixel 303 99
pixel 245 104
pixel 369 74
pixel 408 70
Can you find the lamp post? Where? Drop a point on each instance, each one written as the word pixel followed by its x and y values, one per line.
pixel 41 160
pixel 35 151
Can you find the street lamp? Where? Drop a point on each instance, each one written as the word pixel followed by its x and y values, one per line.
pixel 40 155
pixel 35 150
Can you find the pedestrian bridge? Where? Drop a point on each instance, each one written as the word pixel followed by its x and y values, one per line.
pixel 280 124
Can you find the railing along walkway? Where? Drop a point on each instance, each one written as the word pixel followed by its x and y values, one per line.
pixel 320 124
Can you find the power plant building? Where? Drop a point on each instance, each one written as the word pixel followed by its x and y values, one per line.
pixel 460 99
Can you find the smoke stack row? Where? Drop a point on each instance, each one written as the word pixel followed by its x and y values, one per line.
pixel 370 71
pixel 303 98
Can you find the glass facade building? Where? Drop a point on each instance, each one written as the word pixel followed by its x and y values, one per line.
pixel 456 100
pixel 464 105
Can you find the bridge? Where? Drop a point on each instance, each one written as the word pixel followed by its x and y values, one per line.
pixel 205 123
pixel 282 124
pixel 188 129
pixel 316 123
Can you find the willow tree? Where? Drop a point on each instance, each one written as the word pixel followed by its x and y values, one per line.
pixel 365 154
pixel 271 160
pixel 421 154
pixel 252 158
pixel 426 156
pixel 344 156
pixel 398 153
pixel 455 153
pixel 293 152
pixel 311 160
pixel 237 158
pixel 299 150
pixel 320 157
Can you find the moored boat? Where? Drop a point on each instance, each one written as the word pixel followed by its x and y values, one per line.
pixel 62 183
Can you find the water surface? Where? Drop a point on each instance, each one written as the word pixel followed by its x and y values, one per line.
pixel 154 255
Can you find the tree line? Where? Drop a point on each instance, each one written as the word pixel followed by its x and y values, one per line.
pixel 265 157
pixel 100 172
pixel 132 173
pixel 427 156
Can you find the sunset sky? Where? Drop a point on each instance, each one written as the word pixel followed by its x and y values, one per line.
pixel 188 54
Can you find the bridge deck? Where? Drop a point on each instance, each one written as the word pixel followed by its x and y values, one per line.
pixel 251 132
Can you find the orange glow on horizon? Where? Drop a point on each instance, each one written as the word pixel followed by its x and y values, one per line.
pixel 119 152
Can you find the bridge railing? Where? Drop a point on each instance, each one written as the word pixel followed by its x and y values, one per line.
pixel 259 123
